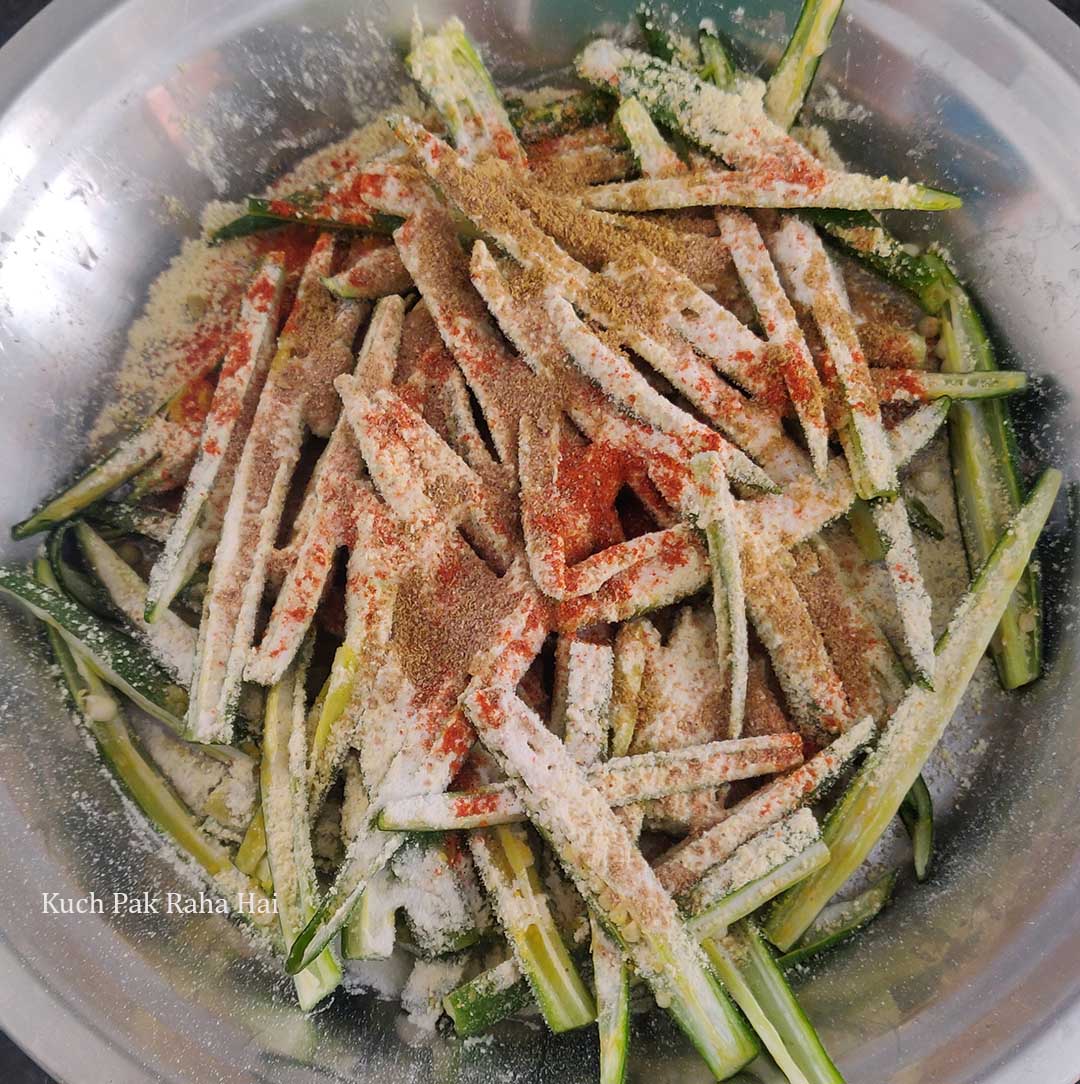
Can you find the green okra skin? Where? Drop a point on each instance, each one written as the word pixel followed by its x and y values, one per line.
pixel 790 82
pixel 917 813
pixel 748 969
pixel 840 921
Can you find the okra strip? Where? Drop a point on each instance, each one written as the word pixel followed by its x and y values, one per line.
pixel 791 78
pixel 507 868
pixel 716 517
pixel 749 188
pixel 761 282
pixel 483 1001
pixel 917 813
pixel 684 865
pixel 626 685
pixel 589 669
pixel 376 273
pixel 916 726
pixel 909 590
pixel 614 877
pixel 170 640
pixel 568 114
pixel 725 123
pixel 840 920
pixel 917 386
pixel 746 965
pixel 621 781
pixel 448 67
pixel 787 851
pixel 988 487
pixel 232 409
pixel 814 283
pixel 654 156
pixel 131 455
pixel 283 788
pixel 121 661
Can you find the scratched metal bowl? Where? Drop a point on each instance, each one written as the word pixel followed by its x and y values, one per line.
pixel 112 115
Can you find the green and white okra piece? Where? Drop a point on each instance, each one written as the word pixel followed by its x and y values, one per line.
pixel 135 452
pixel 839 921
pixel 758 871
pixel 448 67
pixel 491 996
pixel 243 373
pixel 122 662
pixel 284 799
pixel 917 813
pixel 715 515
pixel 621 781
pixel 504 859
pixel 791 78
pixel 877 791
pixel 655 157
pixel 103 716
pixel 746 965
pixel 610 871
pixel 988 485
pixel 171 640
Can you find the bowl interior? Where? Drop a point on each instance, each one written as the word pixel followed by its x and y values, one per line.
pixel 121 121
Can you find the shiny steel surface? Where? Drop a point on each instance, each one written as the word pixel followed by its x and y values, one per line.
pixel 106 110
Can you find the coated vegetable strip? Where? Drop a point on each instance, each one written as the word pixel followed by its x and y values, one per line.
pixel 916 726
pixel 988 487
pixel 654 157
pixel 170 640
pixel 757 871
pixel 716 64
pixel 122 662
pixel 732 126
pixel 568 113
pixel 913 386
pixel 134 452
pixel 795 644
pixel 452 74
pixel 340 497
pixel 629 669
pixel 839 921
pixel 791 78
pixel 129 518
pixel 813 283
pixel 619 780
pixel 493 995
pixel 716 517
pixel 791 354
pixel 232 410
pixel 103 716
pixel 588 698
pixel 313 348
pixel 917 813
pixel 375 273
pixel 283 788
pixel 746 965
pixel 439 916
pixel 909 590
pixel 615 879
pixel 507 867
pixel 683 866
pixel 764 189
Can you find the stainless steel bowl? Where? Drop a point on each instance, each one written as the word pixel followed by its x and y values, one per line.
pixel 111 109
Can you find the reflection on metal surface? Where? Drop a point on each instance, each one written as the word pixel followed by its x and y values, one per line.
pixel 968 978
